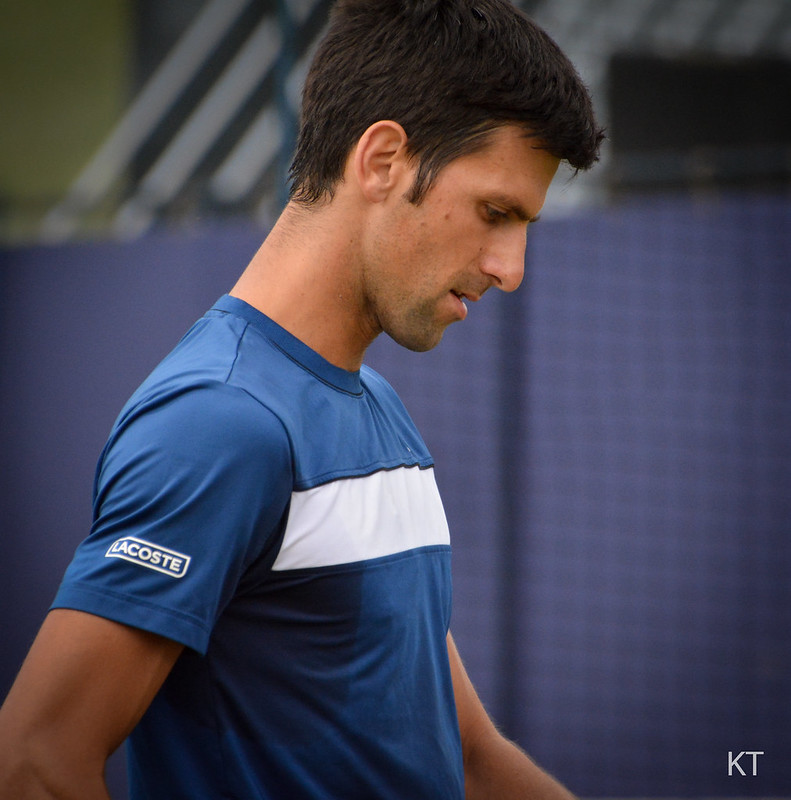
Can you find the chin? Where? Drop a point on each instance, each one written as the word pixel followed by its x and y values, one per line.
pixel 415 343
pixel 418 329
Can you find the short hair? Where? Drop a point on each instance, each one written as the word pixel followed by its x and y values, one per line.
pixel 449 72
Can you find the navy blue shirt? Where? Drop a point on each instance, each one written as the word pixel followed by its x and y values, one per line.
pixel 278 516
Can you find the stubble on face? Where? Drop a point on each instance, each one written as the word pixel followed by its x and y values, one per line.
pixel 400 299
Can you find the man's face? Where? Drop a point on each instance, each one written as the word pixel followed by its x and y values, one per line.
pixel 423 261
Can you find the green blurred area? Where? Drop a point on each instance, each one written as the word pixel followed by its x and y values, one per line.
pixel 64 78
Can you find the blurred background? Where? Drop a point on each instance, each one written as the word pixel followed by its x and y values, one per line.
pixel 613 442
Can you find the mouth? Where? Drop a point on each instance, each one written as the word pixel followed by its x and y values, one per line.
pixel 461 304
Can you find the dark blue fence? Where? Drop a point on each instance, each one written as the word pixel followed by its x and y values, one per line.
pixel 613 445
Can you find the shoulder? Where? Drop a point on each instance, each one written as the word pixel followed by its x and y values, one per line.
pixel 381 391
pixel 377 386
pixel 199 397
pixel 200 421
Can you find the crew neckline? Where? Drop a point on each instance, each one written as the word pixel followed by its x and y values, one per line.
pixel 291 346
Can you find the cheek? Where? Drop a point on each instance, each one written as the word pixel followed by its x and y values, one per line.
pixel 422 249
pixel 401 235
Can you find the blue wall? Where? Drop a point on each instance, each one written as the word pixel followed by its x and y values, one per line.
pixel 613 445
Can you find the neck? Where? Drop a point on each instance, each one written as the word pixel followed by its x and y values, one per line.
pixel 305 278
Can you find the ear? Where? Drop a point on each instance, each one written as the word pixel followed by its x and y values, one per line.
pixel 380 161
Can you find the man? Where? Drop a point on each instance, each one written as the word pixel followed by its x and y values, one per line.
pixel 264 599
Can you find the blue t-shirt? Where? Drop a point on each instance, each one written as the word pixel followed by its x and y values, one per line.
pixel 278 516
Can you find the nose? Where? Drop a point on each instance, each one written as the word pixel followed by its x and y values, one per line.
pixel 505 262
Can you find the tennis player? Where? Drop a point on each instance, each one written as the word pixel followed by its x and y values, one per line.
pixel 262 606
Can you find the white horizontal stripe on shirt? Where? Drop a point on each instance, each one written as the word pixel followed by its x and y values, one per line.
pixel 358 519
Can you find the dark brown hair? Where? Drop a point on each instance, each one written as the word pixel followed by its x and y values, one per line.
pixel 449 72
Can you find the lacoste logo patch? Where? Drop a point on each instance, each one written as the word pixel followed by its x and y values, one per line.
pixel 149 555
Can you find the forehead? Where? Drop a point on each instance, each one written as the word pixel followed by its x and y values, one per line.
pixel 510 163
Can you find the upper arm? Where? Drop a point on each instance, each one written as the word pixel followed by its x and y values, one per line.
pixel 203 479
pixel 84 685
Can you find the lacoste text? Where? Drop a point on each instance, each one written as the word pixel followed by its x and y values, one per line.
pixel 149 555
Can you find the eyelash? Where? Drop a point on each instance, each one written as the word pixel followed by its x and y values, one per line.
pixel 494 215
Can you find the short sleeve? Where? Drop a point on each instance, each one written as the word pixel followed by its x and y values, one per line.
pixel 191 490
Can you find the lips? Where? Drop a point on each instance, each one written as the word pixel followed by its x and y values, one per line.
pixel 461 305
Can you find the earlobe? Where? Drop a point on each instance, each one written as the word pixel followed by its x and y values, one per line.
pixel 380 159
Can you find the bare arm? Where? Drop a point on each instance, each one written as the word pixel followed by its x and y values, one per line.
pixel 84 685
pixel 494 766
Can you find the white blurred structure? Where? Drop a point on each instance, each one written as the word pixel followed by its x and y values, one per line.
pixel 228 152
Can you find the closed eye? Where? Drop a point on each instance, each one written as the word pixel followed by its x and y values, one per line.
pixel 495 215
